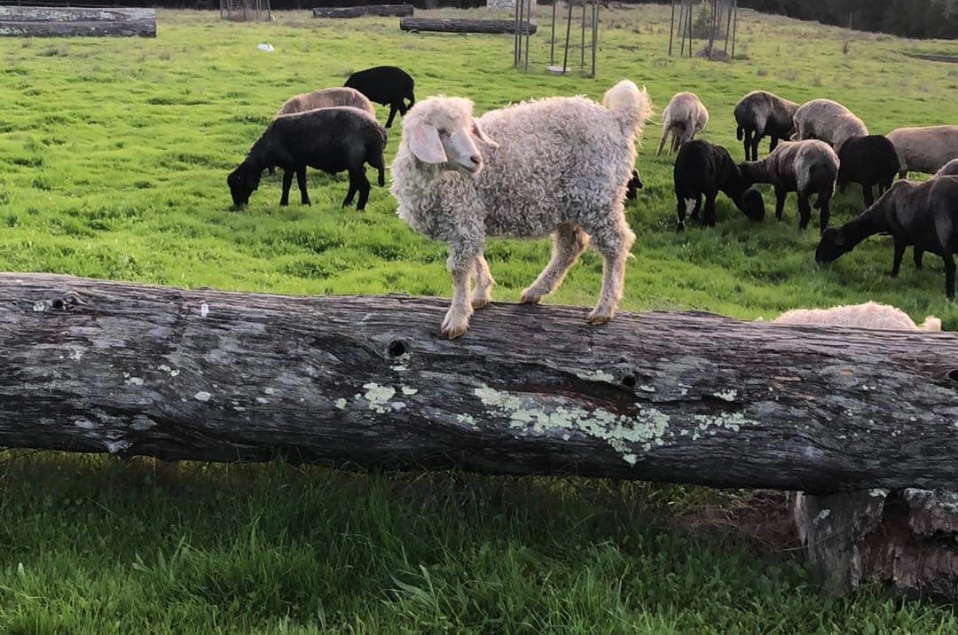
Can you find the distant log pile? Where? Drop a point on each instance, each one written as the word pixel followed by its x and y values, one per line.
pixel 449 25
pixel 377 10
pixel 72 21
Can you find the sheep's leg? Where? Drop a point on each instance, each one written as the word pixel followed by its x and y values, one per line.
pixel 804 210
pixel 363 184
pixel 824 205
pixel 709 218
pixel 899 254
pixel 481 295
pixel 696 208
pixel 949 275
pixel 613 241
pixel 771 147
pixel 353 188
pixel 301 181
pixel 917 255
pixel 665 136
pixel 392 114
pixel 680 209
pixel 569 241
pixel 461 265
pixel 378 162
pixel 869 198
pixel 747 143
pixel 755 142
pixel 287 183
pixel 780 194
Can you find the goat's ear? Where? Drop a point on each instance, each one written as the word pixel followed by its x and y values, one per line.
pixel 481 134
pixel 425 144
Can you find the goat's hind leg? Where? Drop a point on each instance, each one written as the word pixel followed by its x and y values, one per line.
pixel 481 294
pixel 613 241
pixel 569 241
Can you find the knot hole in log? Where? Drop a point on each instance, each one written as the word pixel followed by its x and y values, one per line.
pixel 628 381
pixel 396 349
pixel 953 375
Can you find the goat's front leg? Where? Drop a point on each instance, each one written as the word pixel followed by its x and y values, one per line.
pixel 461 265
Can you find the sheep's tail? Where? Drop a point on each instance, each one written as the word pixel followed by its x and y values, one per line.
pixel 631 103
pixel 740 133
pixel 931 324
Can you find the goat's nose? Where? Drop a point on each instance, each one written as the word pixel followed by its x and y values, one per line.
pixel 476 159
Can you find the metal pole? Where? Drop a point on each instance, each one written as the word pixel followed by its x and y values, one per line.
pixel 734 27
pixel 568 32
pixel 595 32
pixel 552 36
pixel 728 26
pixel 528 23
pixel 671 27
pixel 582 47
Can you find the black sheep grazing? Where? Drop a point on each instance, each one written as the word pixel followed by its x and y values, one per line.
pixel 705 169
pixel 386 85
pixel 635 184
pixel 921 214
pixel 868 161
pixel 329 139
pixel 761 114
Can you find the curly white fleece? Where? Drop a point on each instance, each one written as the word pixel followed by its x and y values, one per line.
pixel 868 315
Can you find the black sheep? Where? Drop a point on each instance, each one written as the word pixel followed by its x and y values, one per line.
pixel 761 114
pixel 386 85
pixel 705 169
pixel 635 184
pixel 921 214
pixel 328 139
pixel 868 161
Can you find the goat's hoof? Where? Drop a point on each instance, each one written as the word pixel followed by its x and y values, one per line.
pixel 454 325
pixel 480 303
pixel 453 332
pixel 596 318
pixel 530 297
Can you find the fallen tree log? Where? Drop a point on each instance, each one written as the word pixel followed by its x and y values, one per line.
pixel 378 10
pixel 450 25
pixel 95 366
pixel 74 21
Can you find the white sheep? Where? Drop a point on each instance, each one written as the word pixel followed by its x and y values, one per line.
pixel 557 166
pixel 327 98
pixel 871 315
pixel 925 150
pixel 949 169
pixel 683 118
pixel 828 121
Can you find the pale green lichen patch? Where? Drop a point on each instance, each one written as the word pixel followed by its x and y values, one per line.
pixel 711 424
pixel 646 388
pixel 76 355
pixel 135 381
pixel 822 515
pixel 467 419
pixel 878 493
pixel 726 395
pixel 39 307
pixel 378 396
pixel 341 403
pixel 202 396
pixel 623 433
pixel 409 391
pixel 595 375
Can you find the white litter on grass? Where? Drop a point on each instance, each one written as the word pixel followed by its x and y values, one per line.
pixel 268 48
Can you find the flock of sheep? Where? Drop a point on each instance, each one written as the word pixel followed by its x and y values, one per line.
pixel 563 166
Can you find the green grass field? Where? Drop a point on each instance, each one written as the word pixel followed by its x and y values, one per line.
pixel 113 164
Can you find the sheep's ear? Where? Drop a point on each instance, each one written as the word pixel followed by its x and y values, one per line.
pixel 425 144
pixel 481 134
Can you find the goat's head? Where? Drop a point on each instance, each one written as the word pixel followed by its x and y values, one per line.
pixel 442 130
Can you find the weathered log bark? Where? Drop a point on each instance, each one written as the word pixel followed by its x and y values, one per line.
pixel 95 366
pixel 380 10
pixel 906 539
pixel 63 21
pixel 450 25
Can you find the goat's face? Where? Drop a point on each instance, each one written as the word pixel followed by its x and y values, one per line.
pixel 753 206
pixel 242 183
pixel 448 136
